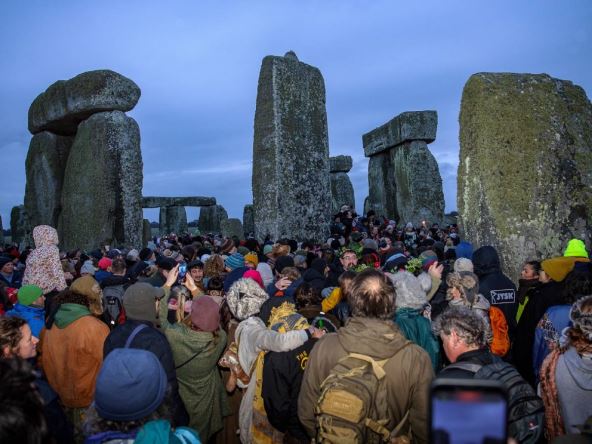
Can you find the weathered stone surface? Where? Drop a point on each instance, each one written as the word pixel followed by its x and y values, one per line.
pixel 450 218
pixel 187 201
pixel 232 227
pixel 290 151
pixel 66 103
pixel 407 126
pixel 44 167
pixel 340 164
pixel 1 232
pixel 342 192
pixel 173 220
pixel 146 232
pixel 210 218
pixel 404 181
pixel 102 191
pixel 20 227
pixel 248 221
pixel 525 172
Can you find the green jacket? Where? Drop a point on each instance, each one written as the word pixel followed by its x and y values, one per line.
pixel 200 385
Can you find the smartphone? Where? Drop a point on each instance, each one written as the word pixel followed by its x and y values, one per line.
pixel 182 271
pixel 464 411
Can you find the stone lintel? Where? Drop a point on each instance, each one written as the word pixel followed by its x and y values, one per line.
pixel 406 127
pixel 340 164
pixel 189 201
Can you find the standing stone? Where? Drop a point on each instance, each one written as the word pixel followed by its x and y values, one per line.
pixel 66 103
pixel 102 191
pixel 210 218
pixel 1 232
pixel 232 227
pixel 248 221
pixel 173 220
pixel 524 178
pixel 291 151
pixel 20 227
pixel 146 232
pixel 342 190
pixel 44 167
pixel 404 180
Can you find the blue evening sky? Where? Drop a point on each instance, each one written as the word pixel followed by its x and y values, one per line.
pixel 198 62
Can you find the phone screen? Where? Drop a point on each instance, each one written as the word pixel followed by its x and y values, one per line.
pixel 182 271
pixel 468 411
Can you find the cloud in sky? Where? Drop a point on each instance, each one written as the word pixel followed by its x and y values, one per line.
pixel 197 64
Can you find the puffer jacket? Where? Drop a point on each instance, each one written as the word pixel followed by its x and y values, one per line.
pixel 497 288
pixel 44 268
pixel 408 376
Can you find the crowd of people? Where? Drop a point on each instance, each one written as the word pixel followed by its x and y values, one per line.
pixel 210 339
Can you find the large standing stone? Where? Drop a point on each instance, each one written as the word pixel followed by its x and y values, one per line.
pixel 248 221
pixel 525 172
pixel 146 232
pixel 1 232
pixel 68 102
pixel 102 191
pixel 173 220
pixel 210 218
pixel 232 228
pixel 291 151
pixel 404 180
pixel 20 227
pixel 185 201
pixel 342 190
pixel 44 167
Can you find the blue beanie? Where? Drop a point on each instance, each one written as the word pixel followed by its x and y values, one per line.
pixel 464 249
pixel 235 261
pixel 131 385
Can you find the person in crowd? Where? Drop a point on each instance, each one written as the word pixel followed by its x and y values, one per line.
pixel 529 280
pixel 234 265
pixel 409 316
pixel 463 290
pixel 131 402
pixel 164 266
pixel 8 274
pixel 197 343
pixel 30 307
pixel 214 267
pixel 72 346
pixel 495 286
pixel 196 269
pixel 566 375
pixel 43 263
pixel 141 301
pixel 104 270
pixel 308 303
pixel 371 332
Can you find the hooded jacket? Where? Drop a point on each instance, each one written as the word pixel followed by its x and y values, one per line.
pixel 72 354
pixel 35 317
pixel 497 288
pixel 407 377
pixel 43 264
pixel 573 376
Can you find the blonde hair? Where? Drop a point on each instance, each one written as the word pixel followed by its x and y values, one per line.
pixel 280 250
pixel 214 266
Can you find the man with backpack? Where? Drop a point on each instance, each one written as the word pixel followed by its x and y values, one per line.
pixel 366 382
pixel 464 341
pixel 114 287
pixel 140 325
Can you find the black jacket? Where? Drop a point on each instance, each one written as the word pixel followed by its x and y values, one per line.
pixel 155 341
pixel 482 357
pixel 113 280
pixel 495 286
pixel 282 377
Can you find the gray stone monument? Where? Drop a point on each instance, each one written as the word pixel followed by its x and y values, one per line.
pixel 342 190
pixel 21 231
pixel 248 222
pixel 146 232
pixel 232 227
pixel 291 189
pixel 210 218
pixel 173 220
pixel 403 176
pixel 524 178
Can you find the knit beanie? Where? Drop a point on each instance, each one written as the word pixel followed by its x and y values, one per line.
pixel 428 258
pixel 145 253
pixel 283 262
pixel 88 268
pixel 235 261
pixel 105 263
pixel 464 249
pixel 559 267
pixel 4 260
pixel 370 244
pixel 243 250
pixel 575 248
pixel 139 301
pixel 130 386
pixel 252 258
pixel 463 264
pixel 267 249
pixel 409 290
pixel 205 314
pixel 28 294
pixel 255 275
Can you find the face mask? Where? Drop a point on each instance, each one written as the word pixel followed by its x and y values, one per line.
pixel 150 262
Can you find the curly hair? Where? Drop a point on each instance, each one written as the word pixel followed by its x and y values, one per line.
pixel 467 324
pixel 214 266
pixel 577 284
pixel 10 334
pixel 306 295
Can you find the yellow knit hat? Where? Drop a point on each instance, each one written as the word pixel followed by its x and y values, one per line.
pixel 559 267
pixel 252 258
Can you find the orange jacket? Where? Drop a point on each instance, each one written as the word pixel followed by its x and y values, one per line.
pixel 71 358
pixel 499 327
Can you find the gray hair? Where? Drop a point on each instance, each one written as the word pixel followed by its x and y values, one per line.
pixel 467 324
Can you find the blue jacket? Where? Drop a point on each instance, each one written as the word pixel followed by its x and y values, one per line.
pixel 548 333
pixel 35 317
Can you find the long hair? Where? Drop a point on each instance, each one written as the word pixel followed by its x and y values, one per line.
pixel 10 334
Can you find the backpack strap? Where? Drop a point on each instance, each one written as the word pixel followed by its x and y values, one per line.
pixel 468 366
pixel 376 365
pixel 135 332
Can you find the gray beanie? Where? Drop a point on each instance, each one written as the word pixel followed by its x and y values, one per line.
pixel 463 264
pixel 411 291
pixel 139 301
